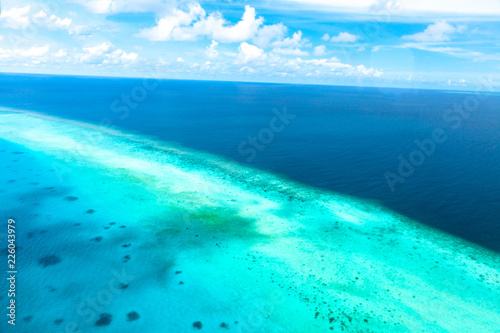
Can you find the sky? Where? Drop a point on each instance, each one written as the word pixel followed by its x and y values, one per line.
pixel 436 44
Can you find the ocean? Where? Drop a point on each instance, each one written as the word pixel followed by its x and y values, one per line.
pixel 343 139
pixel 145 205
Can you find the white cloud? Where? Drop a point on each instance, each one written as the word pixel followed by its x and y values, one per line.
pixel 40 15
pixel 243 30
pixel 34 52
pixel 345 37
pixel 94 54
pixel 255 62
pixel 320 67
pixel 431 48
pixel 248 53
pixel 332 63
pixel 211 52
pixel 369 71
pixel 192 24
pixel 268 34
pixel 61 53
pixel 120 57
pixel 55 22
pixel 320 50
pixel 453 51
pixel 247 69
pixel 19 18
pixel 405 7
pixel 291 45
pixel 1 38
pixel 79 30
pixel 294 51
pixel 295 41
pixel 333 66
pixel 124 6
pixel 100 54
pixel 326 37
pixel 180 59
pixel 400 7
pixel 51 22
pixel 15 18
pixel 82 31
pixel 172 26
pixel 440 31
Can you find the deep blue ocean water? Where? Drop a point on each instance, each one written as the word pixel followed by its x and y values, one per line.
pixel 343 139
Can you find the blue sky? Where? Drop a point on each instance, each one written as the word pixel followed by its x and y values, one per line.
pixel 440 44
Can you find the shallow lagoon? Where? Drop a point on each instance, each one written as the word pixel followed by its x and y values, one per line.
pixel 177 240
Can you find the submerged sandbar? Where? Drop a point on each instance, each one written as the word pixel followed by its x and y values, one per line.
pixel 276 255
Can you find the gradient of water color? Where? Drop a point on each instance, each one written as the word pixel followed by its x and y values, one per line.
pixel 343 139
pixel 123 233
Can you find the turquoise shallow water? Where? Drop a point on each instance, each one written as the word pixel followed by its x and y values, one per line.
pixel 111 224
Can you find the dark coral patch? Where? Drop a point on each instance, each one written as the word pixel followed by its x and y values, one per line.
pixel 104 320
pixel 49 260
pixel 90 211
pixel 131 316
pixel 97 239
pixel 58 321
pixel 70 198
pixel 197 324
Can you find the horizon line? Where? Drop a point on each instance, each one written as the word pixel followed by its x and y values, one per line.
pixel 257 82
